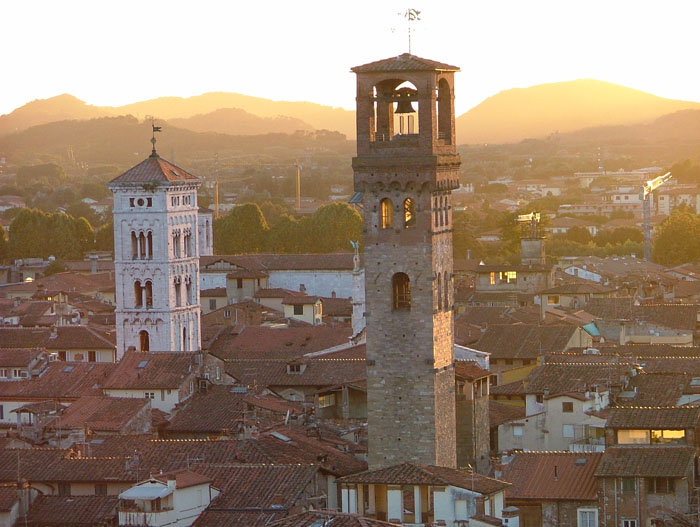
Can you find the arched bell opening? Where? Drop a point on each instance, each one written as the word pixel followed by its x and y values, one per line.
pixel 396 109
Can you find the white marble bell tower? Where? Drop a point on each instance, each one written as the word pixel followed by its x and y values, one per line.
pixel 156 257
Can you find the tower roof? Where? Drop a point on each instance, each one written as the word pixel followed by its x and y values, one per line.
pixel 154 168
pixel 404 62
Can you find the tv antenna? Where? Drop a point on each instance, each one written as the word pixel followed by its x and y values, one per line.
pixel 411 15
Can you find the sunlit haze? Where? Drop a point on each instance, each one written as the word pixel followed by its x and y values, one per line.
pixel 114 53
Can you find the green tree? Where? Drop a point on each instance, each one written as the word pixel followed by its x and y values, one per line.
pixel 286 236
pixel 57 266
pixel 579 235
pixel 242 230
pixel 49 173
pixel 104 239
pixel 334 226
pixel 677 239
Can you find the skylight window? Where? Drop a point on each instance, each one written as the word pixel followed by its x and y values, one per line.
pixel 142 364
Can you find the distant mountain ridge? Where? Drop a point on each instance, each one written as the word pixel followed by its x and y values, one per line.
pixel 561 107
pixel 509 116
pixel 272 116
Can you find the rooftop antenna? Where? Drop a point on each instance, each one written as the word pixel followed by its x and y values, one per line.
pixel 153 138
pixel 411 15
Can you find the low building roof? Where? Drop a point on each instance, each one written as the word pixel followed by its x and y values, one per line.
pixel 646 461
pixel 552 476
pixel 650 417
pixel 403 62
pixel 19 357
pixel 73 511
pixel 142 371
pixel 524 341
pixel 317 518
pixel 101 414
pixel 8 497
pixel 418 474
pixel 500 413
pixel 469 370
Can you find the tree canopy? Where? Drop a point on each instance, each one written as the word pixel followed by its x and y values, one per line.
pixel 677 239
pixel 36 234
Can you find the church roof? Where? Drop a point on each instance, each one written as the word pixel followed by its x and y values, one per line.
pixel 404 62
pixel 154 169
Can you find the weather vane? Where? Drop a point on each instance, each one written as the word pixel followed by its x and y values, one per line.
pixel 155 129
pixel 411 15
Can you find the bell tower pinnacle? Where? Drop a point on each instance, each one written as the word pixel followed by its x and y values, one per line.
pixel 406 167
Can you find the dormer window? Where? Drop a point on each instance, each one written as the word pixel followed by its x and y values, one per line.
pixel 296 368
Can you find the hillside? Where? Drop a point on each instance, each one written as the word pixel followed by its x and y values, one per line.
pixel 123 140
pixel 318 116
pixel 235 121
pixel 539 111
pixel 273 116
pixel 43 111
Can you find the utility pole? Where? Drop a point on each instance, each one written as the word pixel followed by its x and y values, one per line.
pixel 296 164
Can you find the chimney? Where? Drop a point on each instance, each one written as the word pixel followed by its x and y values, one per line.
pixel 511 516
pixel 278 500
pixel 332 294
pixel 623 334
pixel 172 483
pixel 93 263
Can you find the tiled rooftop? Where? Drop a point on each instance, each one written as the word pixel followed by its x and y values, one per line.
pixel 646 461
pixel 650 417
pixel 404 62
pixel 153 169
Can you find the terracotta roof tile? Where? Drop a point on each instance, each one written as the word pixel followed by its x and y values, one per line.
pixel 279 343
pixel 418 474
pixel 654 417
pixel 102 414
pixel 159 371
pixel 276 292
pixel 524 341
pixel 500 413
pixel 651 460
pixel 552 476
pixel 59 338
pixel 332 518
pixel 574 377
pixel 19 357
pixel 469 370
pixel 153 168
pixel 676 316
pixel 337 307
pixel 241 518
pixel 403 62
pixel 183 478
pixel 73 511
pixel 210 412
pixel 60 381
pixel 8 497
pixel 245 486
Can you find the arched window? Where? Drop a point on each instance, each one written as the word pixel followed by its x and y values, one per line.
pixel 178 292
pixel 441 217
pixel 134 246
pixel 149 244
pixel 439 291
pixel 435 210
pixel 387 214
pixel 144 341
pixel 142 246
pixel 149 294
pixel 138 295
pixel 206 231
pixel 446 284
pixel 401 286
pixel 185 346
pixel 445 211
pixel 409 213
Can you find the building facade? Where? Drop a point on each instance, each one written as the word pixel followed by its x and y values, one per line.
pixel 405 169
pixel 156 258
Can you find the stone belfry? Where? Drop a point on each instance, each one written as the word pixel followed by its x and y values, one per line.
pixel 406 167
pixel 156 257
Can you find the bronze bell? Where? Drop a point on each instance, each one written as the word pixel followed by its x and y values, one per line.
pixel 403 97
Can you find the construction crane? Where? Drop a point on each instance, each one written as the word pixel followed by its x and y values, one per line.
pixel 648 187
pixel 533 219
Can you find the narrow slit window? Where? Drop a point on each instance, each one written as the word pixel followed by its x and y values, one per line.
pixel 387 213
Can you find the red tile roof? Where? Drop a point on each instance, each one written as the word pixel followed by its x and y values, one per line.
pixel 245 486
pixel 159 371
pixel 276 292
pixel 19 357
pixel 73 511
pixel 500 413
pixel 153 169
pixel 646 461
pixel 58 338
pixel 183 478
pixel 469 370
pixel 418 474
pixel 258 342
pixel 240 518
pixel 8 497
pixel 648 417
pixel 524 341
pixel 61 381
pixel 331 518
pixel 101 414
pixel 210 412
pixel 573 377
pixel 552 476
pixel 403 62
pixel 337 307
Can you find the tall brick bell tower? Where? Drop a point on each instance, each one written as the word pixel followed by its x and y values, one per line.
pixel 406 167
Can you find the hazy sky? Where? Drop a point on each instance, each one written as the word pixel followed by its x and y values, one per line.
pixel 112 53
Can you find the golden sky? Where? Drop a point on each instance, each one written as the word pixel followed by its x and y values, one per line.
pixel 112 53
